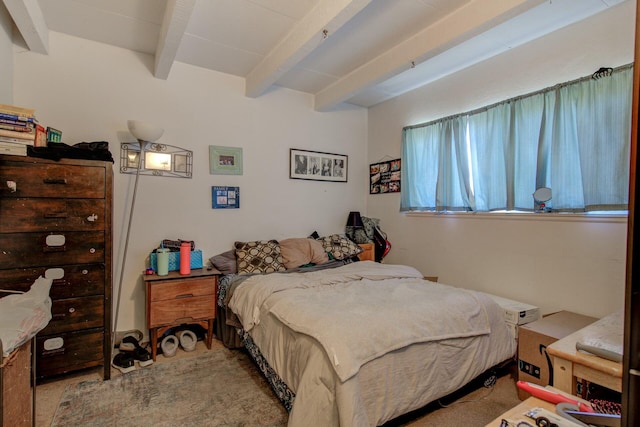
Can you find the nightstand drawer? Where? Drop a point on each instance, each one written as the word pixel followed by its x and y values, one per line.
pixel 182 310
pixel 178 289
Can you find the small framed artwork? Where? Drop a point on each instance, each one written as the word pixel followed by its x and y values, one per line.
pixel 225 197
pixel 225 160
pixel 317 166
pixel 384 177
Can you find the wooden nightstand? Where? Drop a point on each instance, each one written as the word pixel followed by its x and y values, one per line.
pixel 369 253
pixel 177 299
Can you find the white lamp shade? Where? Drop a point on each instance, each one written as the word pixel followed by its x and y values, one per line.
pixel 144 131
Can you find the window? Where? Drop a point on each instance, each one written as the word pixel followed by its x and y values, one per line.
pixel 573 138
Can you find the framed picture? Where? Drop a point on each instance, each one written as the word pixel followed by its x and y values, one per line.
pixel 225 160
pixel 384 177
pixel 317 166
pixel 225 197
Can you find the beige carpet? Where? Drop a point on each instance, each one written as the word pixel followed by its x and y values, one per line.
pixel 221 387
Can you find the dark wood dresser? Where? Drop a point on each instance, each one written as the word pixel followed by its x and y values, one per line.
pixel 55 221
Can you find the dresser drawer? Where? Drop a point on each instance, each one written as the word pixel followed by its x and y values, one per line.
pixel 66 352
pixel 178 289
pixel 75 313
pixel 22 179
pixel 19 215
pixel 183 310
pixel 68 280
pixel 51 249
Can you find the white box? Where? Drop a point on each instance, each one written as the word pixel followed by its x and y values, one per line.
pixel 517 313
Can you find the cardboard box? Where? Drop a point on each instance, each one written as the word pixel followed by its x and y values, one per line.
pixel 517 313
pixel 534 364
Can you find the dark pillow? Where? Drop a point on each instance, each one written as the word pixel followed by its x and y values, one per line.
pixel 225 262
pixel 261 256
pixel 340 247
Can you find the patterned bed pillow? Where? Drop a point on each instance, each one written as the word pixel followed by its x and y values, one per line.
pixel 262 256
pixel 339 247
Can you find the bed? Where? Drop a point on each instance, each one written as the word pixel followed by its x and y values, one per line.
pixel 361 343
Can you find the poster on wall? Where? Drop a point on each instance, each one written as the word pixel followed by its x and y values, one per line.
pixel 225 197
pixel 384 177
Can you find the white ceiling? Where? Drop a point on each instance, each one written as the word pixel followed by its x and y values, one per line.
pixel 358 51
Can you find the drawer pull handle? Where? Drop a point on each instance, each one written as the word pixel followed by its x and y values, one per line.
pixel 50 353
pixel 59 282
pixel 56 215
pixel 56 181
pixel 92 250
pixel 48 249
pixel 184 296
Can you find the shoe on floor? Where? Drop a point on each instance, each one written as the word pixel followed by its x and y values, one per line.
pixel 127 346
pixel 139 353
pixel 124 362
pixel 188 340
pixel 169 345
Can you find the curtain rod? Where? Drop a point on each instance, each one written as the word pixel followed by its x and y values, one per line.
pixel 516 98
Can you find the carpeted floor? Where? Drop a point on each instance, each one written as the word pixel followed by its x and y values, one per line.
pixel 217 388
pixel 222 387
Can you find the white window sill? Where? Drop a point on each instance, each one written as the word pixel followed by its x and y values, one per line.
pixel 525 216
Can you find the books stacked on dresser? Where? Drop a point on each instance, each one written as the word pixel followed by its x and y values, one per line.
pixel 18 129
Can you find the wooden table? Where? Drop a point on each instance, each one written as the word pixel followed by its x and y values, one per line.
pixel 178 299
pixel 569 363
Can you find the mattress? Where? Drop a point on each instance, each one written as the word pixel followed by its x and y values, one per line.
pixel 384 386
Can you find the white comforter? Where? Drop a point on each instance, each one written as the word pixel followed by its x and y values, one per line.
pixel 390 371
pixel 365 296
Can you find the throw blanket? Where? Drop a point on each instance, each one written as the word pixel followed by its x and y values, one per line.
pixel 348 310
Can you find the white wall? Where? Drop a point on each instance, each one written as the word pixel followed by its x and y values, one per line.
pixel 89 91
pixel 553 263
pixel 6 53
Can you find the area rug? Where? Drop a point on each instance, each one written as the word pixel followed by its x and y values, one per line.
pixel 218 388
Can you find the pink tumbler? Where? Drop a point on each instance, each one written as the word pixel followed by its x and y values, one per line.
pixel 185 258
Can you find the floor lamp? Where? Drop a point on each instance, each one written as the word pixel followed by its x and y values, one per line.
pixel 145 134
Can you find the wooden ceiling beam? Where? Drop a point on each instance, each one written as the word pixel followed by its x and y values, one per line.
pixel 174 25
pixel 322 21
pixel 27 16
pixel 461 25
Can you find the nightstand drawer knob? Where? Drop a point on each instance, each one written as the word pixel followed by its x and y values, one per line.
pixel 92 250
pixel 184 296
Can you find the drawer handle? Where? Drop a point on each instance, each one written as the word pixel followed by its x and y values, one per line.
pixel 50 353
pixel 48 249
pixel 58 316
pixel 56 181
pixel 184 296
pixel 59 282
pixel 56 215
